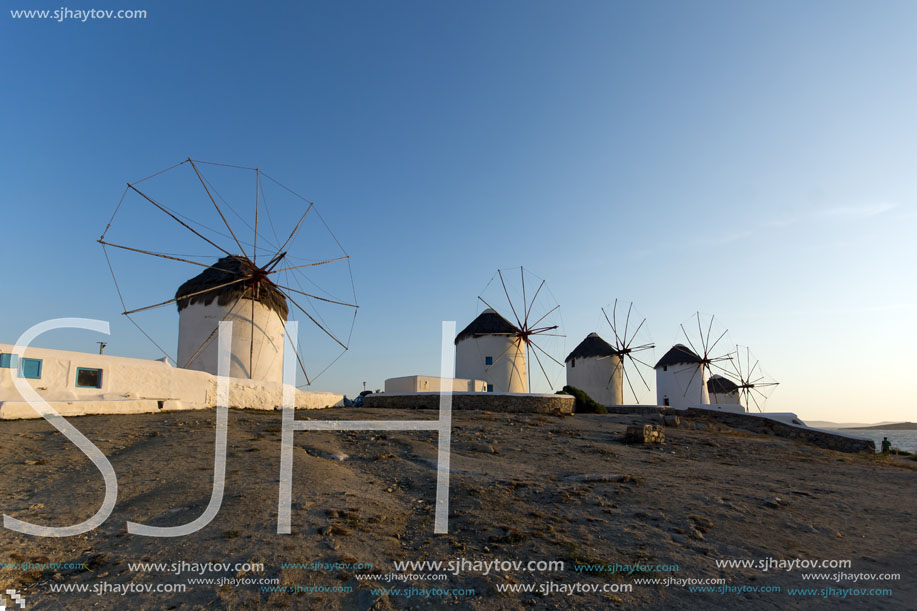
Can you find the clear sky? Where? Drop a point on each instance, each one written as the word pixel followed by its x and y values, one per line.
pixel 754 160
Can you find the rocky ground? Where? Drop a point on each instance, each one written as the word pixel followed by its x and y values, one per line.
pixel 523 487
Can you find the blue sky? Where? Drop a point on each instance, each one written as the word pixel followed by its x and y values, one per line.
pixel 751 160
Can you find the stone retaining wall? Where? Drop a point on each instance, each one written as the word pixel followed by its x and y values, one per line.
pixel 493 402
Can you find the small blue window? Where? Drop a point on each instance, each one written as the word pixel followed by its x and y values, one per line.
pixel 490 388
pixel 8 361
pixel 30 368
pixel 88 378
pixel 488 360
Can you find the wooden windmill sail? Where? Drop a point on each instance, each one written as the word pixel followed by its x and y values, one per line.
pixel 753 384
pixel 257 279
pixel 632 346
pixel 521 321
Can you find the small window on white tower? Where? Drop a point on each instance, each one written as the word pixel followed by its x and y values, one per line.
pixel 490 388
pixel 488 360
pixel 572 362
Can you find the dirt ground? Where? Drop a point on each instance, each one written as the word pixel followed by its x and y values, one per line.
pixel 523 487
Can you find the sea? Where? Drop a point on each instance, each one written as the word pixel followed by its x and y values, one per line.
pixel 903 440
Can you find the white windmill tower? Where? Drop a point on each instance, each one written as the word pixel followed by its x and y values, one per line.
pixel 722 390
pixel 258 280
pixel 490 349
pixel 494 349
pixel 682 372
pixel 600 369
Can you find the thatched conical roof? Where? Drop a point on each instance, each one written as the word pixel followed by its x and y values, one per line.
pixel 488 322
pixel 678 354
pixel 226 270
pixel 593 345
pixel 721 385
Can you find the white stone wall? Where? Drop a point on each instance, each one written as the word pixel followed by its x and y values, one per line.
pixel 600 378
pixel 407 384
pixel 507 373
pixel 197 322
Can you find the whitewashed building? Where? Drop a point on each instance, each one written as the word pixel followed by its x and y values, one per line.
pixel 411 384
pixel 595 367
pixel 681 378
pixel 81 383
pixel 491 349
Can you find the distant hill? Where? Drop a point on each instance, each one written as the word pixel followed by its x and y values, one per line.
pixel 901 426
pixel 825 424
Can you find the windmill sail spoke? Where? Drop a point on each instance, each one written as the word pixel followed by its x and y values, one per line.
pixel 286 269
pixel 159 254
pixel 718 339
pixel 295 229
pixel 637 369
pixel 631 386
pixel 688 339
pixel 613 330
pixel 691 381
pixel 494 309
pixel 723 369
pixel 539 348
pixel 709 328
pixel 758 405
pixel 257 189
pixel 645 364
pixel 545 373
pixel 627 321
pixel 188 296
pixel 637 330
pixel 528 309
pixel 220 212
pixel 700 339
pixel 343 303
pixel 181 222
pixel 542 330
pixel 549 312
pixel 613 372
pixel 315 322
pixel 510 301
pixel 301 366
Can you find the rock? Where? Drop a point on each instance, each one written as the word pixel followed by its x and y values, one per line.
pixel 671 420
pixel 648 433
pixel 774 502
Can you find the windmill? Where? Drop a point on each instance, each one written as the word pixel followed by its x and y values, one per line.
pixel 521 320
pixel 253 272
pixel 630 340
pixel 681 374
pixel 753 384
